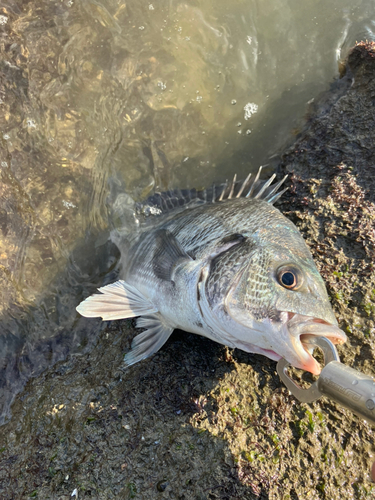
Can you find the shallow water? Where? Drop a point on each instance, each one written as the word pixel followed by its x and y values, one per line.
pixel 104 98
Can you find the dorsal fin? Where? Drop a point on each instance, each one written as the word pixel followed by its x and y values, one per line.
pixel 174 201
pixel 257 189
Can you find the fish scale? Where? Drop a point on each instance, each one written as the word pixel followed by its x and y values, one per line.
pixel 223 269
pixel 233 269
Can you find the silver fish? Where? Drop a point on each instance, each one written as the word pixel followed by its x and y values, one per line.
pixel 234 270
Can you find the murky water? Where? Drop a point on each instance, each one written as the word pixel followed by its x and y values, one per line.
pixel 102 98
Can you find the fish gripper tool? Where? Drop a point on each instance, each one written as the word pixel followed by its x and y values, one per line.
pixel 344 385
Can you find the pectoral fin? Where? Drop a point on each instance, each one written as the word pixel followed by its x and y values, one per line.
pixel 116 301
pixel 149 341
pixel 168 253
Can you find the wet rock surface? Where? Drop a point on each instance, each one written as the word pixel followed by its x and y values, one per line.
pixel 199 421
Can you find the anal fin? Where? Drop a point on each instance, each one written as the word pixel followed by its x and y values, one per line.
pixel 151 340
pixel 116 301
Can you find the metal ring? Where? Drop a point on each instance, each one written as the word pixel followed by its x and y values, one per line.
pixel 312 393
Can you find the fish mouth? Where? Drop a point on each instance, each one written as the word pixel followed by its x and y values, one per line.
pixel 298 329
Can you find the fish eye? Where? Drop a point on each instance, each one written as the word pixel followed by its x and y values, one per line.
pixel 290 277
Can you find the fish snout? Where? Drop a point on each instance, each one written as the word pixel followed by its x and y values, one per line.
pixel 300 329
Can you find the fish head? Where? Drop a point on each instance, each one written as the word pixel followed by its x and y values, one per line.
pixel 277 300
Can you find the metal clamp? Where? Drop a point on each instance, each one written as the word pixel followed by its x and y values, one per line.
pixel 350 388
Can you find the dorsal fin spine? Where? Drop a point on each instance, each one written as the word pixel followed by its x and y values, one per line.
pixel 265 186
pixel 213 193
pixel 253 183
pixel 223 191
pixel 244 184
pixel 277 196
pixel 270 196
pixel 232 187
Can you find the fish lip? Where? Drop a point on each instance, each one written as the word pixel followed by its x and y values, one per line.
pixel 307 325
pixel 300 329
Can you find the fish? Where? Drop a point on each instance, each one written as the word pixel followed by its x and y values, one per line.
pixel 225 264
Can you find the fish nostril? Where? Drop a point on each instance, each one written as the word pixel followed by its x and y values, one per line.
pixel 313 289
